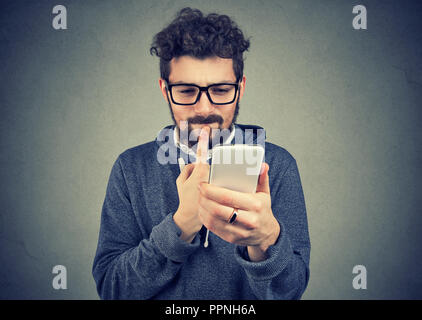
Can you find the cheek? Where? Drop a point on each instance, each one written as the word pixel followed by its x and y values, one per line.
pixel 227 115
pixel 181 114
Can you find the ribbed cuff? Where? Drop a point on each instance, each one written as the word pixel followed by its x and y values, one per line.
pixel 166 236
pixel 278 254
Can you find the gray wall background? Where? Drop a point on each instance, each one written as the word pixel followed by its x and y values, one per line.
pixel 345 103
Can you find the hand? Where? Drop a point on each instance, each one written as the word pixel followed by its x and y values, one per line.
pixel 186 216
pixel 255 225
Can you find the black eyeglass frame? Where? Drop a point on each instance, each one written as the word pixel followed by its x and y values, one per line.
pixel 169 86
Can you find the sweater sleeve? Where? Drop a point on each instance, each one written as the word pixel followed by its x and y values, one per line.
pixel 285 272
pixel 127 264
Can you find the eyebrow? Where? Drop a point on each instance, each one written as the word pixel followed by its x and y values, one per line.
pixel 208 84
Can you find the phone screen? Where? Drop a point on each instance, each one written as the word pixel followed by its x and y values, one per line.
pixel 236 167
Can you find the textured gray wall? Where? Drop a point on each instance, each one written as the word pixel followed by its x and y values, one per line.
pixel 345 103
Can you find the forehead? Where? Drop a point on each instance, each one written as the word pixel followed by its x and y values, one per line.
pixel 201 71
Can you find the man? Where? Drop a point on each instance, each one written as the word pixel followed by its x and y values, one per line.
pixel 168 234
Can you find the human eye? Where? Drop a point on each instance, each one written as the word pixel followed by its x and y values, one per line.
pixel 186 90
pixel 221 89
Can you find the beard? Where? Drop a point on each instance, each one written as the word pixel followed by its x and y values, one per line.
pixel 191 135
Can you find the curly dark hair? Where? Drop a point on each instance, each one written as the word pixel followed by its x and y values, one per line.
pixel 193 34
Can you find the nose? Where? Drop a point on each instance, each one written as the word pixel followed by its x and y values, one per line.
pixel 204 106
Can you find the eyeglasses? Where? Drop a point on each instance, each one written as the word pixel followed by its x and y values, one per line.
pixel 187 94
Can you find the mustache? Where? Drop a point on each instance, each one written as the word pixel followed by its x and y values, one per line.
pixel 206 120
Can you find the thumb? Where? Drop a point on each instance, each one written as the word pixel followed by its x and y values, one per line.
pixel 186 172
pixel 264 181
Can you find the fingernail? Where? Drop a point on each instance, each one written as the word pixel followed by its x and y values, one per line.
pixel 205 131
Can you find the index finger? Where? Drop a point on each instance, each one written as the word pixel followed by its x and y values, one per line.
pixel 230 198
pixel 202 146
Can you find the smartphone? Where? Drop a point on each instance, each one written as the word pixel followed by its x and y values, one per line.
pixel 236 167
